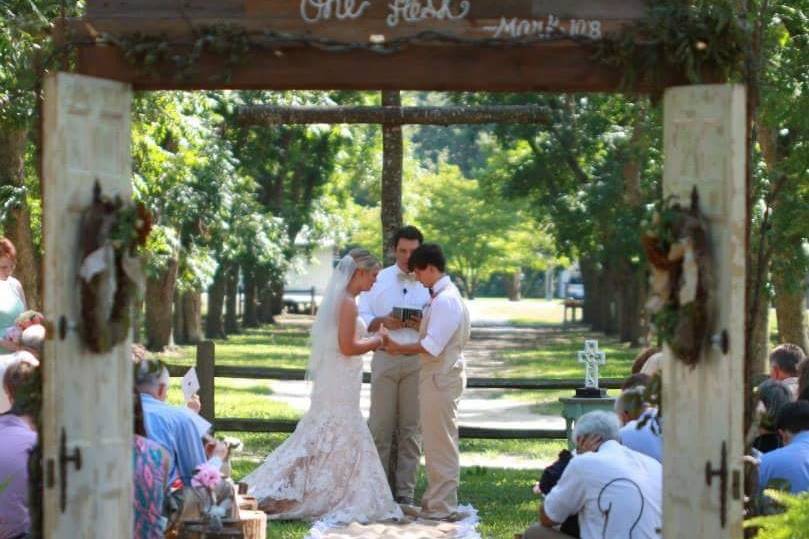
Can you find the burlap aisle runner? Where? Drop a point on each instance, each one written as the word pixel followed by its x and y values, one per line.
pixel 407 529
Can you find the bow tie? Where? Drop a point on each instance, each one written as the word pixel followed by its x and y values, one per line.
pixel 406 278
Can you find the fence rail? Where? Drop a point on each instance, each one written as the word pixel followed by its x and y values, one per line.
pixel 208 371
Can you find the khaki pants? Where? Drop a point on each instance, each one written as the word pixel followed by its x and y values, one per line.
pixel 395 410
pixel 440 394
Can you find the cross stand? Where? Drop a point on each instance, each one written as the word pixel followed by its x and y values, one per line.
pixel 592 357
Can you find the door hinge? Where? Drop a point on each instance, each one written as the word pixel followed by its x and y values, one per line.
pixel 722 473
pixel 64 460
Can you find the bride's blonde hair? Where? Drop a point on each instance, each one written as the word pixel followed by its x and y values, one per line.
pixel 364 259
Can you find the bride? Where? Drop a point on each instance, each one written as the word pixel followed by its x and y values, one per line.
pixel 329 468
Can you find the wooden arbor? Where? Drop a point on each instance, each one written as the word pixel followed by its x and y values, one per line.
pixel 445 45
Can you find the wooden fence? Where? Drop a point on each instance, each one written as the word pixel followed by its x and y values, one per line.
pixel 208 371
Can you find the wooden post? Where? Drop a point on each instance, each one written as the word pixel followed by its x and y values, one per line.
pixel 312 306
pixel 87 404
pixel 206 353
pixel 704 137
pixel 392 151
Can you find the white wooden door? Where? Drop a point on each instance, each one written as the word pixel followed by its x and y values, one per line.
pixel 704 143
pixel 87 396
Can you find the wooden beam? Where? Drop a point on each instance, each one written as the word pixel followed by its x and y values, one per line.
pixel 391 115
pixel 485 45
pixel 391 182
pixel 270 373
pixel 236 424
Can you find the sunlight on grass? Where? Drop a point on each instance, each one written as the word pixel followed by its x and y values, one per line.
pixel 557 358
pixel 278 346
pixel 524 312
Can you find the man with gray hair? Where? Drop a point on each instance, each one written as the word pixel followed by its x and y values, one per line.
pixel 784 361
pixel 615 491
pixel 173 427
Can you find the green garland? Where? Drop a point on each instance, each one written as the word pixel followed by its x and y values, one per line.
pixel 699 38
pixel 703 38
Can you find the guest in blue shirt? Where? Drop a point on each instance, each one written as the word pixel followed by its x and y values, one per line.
pixel 173 427
pixel 791 462
pixel 641 428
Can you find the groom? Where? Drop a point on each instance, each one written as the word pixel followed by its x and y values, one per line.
pixel 443 334
pixel 395 380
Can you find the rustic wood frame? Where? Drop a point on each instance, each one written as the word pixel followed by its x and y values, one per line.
pixel 545 47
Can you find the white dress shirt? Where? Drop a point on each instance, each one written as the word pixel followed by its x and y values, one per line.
pixel 393 288
pixel 616 492
pixel 446 314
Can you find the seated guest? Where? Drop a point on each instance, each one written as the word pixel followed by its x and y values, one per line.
pixel 654 364
pixel 635 380
pixel 173 427
pixel 616 492
pixel 33 339
pixel 19 436
pixel 791 462
pixel 771 397
pixel 550 477
pixel 5 361
pixel 641 359
pixel 151 464
pixel 641 430
pixel 12 298
pixel 784 361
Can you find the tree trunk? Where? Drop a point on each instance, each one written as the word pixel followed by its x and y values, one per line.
pixel 159 301
pixel 790 310
pixel 514 286
pixel 276 294
pixel 231 301
pixel 17 226
pixel 179 320
pixel 214 329
pixel 192 316
pixel 609 310
pixel 631 302
pixel 250 318
pixel 392 152
pixel 591 292
pixel 760 340
pixel 137 320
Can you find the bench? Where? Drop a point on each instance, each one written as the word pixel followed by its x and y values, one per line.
pixel 572 304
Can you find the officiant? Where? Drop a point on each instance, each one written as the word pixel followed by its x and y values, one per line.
pixel 396 301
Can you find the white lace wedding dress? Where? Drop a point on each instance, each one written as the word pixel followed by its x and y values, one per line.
pixel 328 469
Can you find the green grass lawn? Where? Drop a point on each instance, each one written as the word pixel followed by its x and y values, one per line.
pixel 556 357
pixel 279 346
pixel 503 497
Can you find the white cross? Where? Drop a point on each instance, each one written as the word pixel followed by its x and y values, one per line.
pixel 592 358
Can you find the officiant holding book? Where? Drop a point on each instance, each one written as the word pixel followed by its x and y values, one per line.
pixel 396 301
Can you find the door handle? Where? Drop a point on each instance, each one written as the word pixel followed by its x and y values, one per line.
pixel 65 459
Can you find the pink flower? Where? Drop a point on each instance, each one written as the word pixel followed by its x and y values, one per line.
pixel 206 476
